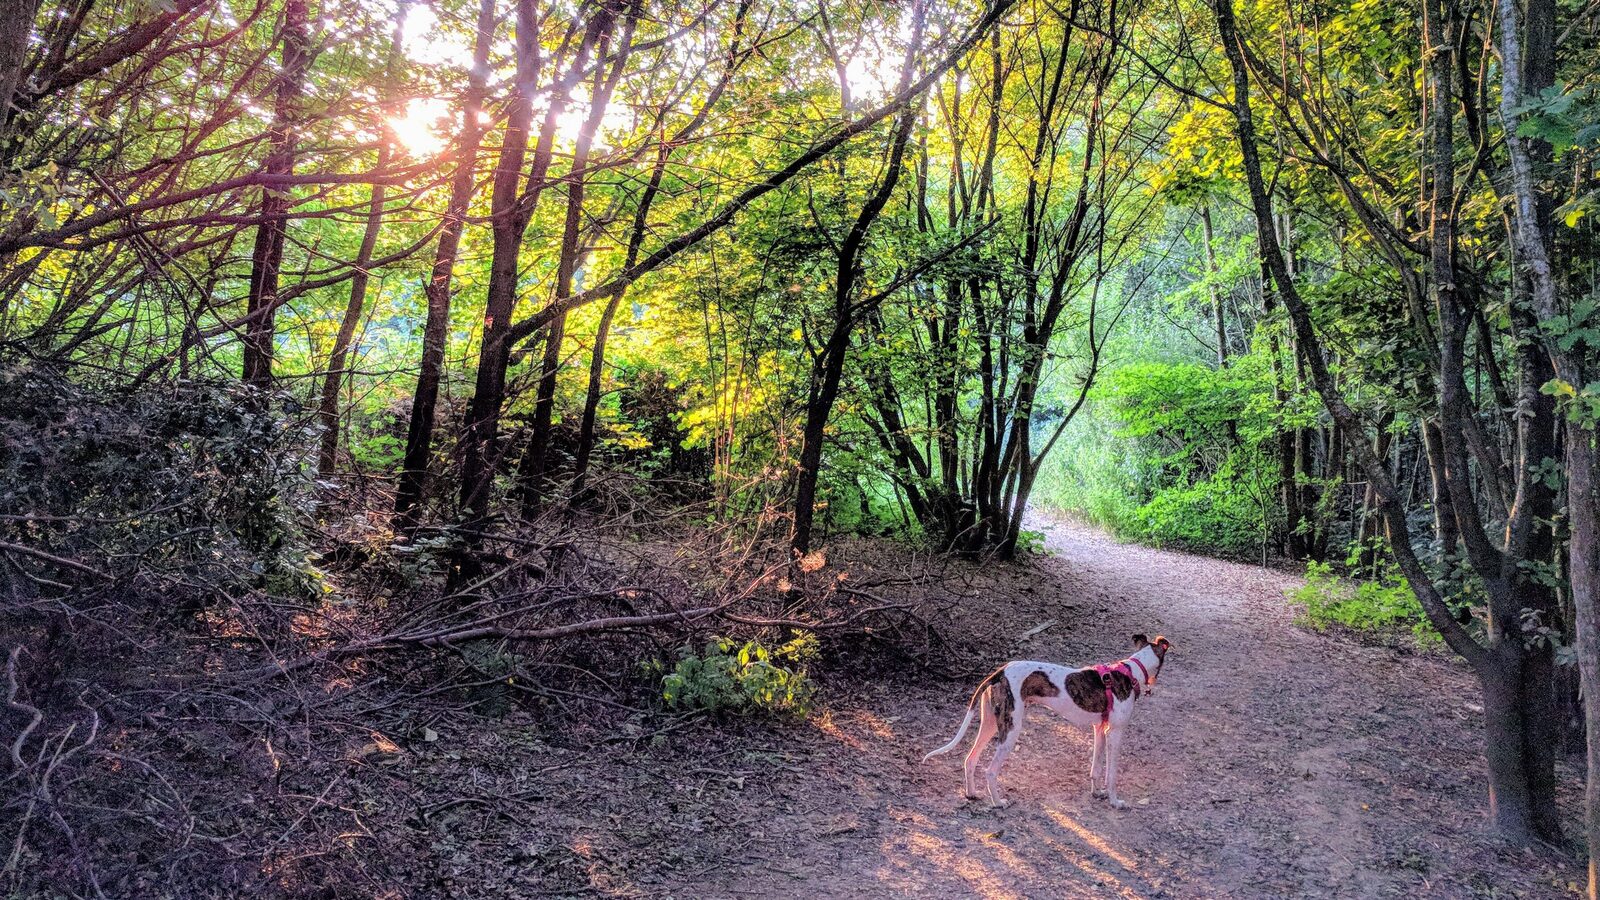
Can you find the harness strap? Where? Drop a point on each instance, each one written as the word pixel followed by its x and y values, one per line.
pixel 1142 670
pixel 1105 680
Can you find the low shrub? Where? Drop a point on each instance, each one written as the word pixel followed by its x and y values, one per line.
pixel 748 678
pixel 1383 603
pixel 178 491
pixel 1221 513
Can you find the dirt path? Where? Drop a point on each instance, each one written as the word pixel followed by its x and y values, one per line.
pixel 1272 762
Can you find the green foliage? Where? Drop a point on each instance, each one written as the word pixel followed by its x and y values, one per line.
pixel 1030 542
pixel 205 482
pixel 1094 474
pixel 1578 329
pixel 1186 466
pixel 1222 512
pixel 743 679
pixel 1381 603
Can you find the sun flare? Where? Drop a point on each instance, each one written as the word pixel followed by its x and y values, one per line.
pixel 422 129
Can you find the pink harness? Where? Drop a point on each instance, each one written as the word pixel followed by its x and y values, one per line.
pixel 1123 667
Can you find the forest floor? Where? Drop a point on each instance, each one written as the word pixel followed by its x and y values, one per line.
pixel 1273 761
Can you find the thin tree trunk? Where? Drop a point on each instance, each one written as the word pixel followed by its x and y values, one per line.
pixel 414 466
pixel 536 461
pixel 266 258
pixel 641 220
pixel 511 212
pixel 333 381
pixel 15 28
pixel 829 366
pixel 1215 295
pixel 1288 494
pixel 480 433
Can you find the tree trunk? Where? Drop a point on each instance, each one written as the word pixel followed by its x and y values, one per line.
pixel 536 461
pixel 1500 667
pixel 15 28
pixel 333 381
pixel 825 378
pixel 1527 51
pixel 1583 509
pixel 511 212
pixel 480 455
pixel 1511 803
pixel 829 367
pixel 641 221
pixel 1288 493
pixel 1211 289
pixel 425 399
pixel 266 258
pixel 1444 514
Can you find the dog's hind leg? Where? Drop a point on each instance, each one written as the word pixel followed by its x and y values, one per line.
pixel 986 730
pixel 1008 716
pixel 1097 761
pixel 1113 743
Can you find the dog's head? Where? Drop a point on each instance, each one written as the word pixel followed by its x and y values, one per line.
pixel 1160 647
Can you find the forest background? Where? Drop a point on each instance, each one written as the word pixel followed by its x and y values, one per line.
pixel 333 329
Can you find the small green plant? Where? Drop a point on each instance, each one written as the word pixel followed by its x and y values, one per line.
pixel 743 678
pixel 1381 603
pixel 1031 542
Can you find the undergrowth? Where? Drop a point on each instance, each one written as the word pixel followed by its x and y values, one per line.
pixel 1381 603
pixel 743 678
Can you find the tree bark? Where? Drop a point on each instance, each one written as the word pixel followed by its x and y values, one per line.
pixel 414 466
pixel 266 258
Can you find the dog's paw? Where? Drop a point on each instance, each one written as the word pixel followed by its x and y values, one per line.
pixel 1001 803
pixel 1099 793
pixel 1118 803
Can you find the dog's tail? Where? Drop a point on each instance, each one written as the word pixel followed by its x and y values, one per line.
pixel 972 708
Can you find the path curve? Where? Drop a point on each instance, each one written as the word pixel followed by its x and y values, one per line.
pixel 1273 761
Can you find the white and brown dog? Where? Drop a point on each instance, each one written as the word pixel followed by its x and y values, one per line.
pixel 1096 697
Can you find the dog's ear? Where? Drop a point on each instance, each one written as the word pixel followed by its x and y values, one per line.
pixel 1162 644
pixel 1139 641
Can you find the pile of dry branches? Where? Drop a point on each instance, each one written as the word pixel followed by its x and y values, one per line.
pixel 223 743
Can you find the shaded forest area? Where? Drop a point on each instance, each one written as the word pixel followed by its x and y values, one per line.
pixel 368 365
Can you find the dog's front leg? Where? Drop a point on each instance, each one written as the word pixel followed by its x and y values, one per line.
pixel 1097 760
pixel 996 796
pixel 1113 741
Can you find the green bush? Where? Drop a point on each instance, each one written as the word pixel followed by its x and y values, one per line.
pixel 743 679
pixel 181 491
pixel 1223 512
pixel 1175 454
pixel 1384 603
pixel 1031 542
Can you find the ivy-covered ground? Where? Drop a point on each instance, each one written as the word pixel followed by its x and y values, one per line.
pixel 1273 762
